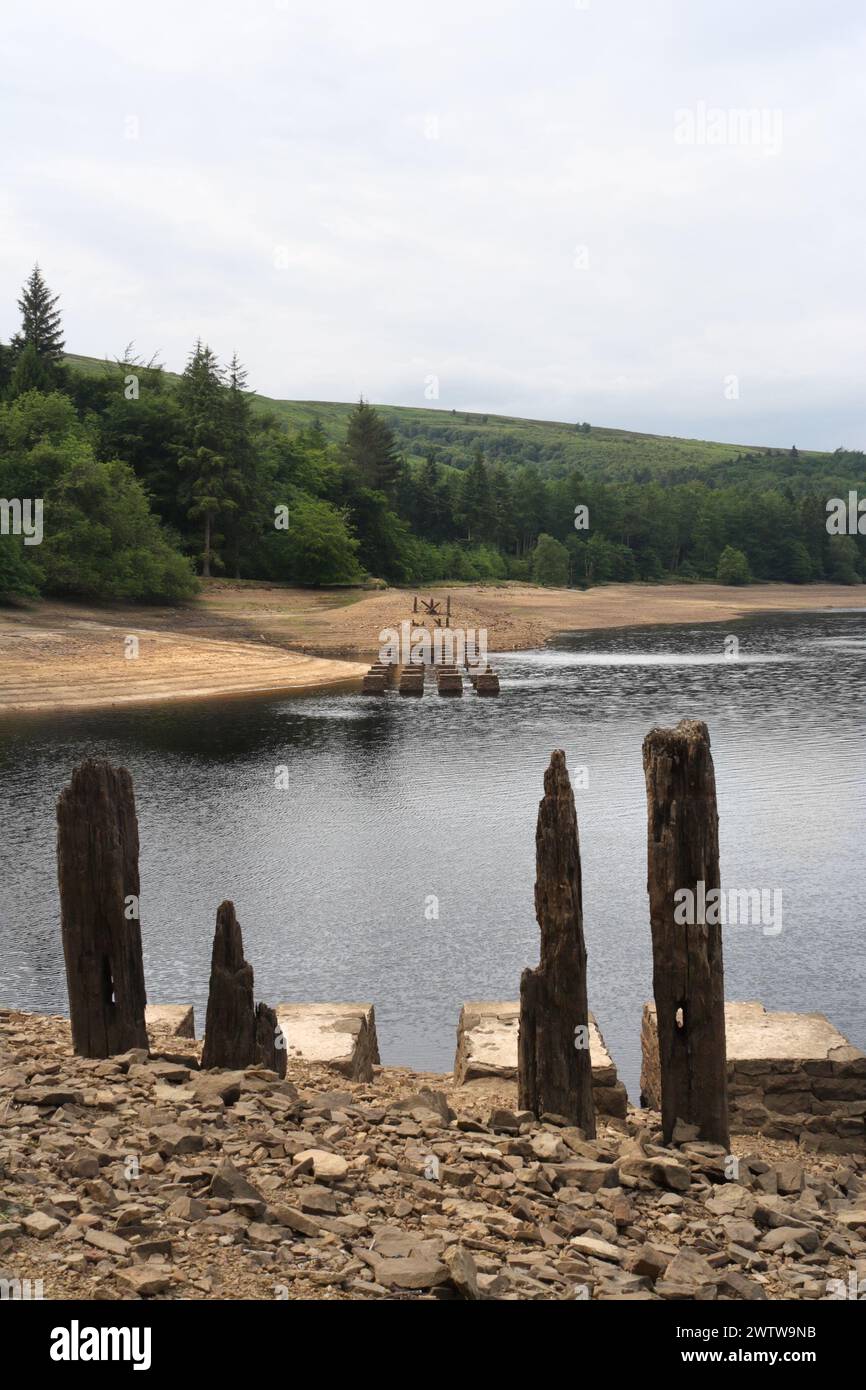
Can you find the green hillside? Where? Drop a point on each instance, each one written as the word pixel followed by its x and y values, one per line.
pixel 556 447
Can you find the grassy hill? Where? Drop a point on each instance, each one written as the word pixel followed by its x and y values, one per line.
pixel 556 447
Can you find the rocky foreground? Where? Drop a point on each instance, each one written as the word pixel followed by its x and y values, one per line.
pixel 145 1177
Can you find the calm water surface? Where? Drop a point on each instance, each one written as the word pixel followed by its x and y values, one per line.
pixel 392 804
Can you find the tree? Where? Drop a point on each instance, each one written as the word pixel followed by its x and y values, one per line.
pixel 550 562
pixel 40 321
pixel 244 473
pixel 371 451
pixel 31 373
pixel 476 501
pixel 211 481
pixel 733 567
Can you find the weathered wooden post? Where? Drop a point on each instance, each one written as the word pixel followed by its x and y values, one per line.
pixel 688 975
pixel 97 871
pixel 237 1033
pixel 230 1022
pixel 554 1071
pixel 270 1042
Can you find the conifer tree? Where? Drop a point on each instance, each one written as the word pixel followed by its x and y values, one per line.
pixel 211 484
pixel 371 449
pixel 40 320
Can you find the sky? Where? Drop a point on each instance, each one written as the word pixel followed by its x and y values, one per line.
pixel 644 215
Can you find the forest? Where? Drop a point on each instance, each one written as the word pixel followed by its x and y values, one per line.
pixel 149 480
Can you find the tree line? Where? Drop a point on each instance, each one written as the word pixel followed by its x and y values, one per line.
pixel 150 481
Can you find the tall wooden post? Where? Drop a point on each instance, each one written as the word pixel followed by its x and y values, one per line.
pixel 97 871
pixel 688 974
pixel 230 1022
pixel 554 1070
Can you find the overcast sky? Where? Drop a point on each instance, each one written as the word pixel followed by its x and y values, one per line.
pixel 552 207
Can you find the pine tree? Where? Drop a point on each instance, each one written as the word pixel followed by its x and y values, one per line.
pixel 31 373
pixel 40 321
pixel 244 521
pixel 371 449
pixel 476 502
pixel 210 491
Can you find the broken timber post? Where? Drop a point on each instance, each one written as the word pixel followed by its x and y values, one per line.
pixel 554 1072
pixel 270 1042
pixel 688 975
pixel 237 1033
pixel 97 871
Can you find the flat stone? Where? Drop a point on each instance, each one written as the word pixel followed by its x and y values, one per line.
pixel 777 1062
pixel 487 1047
pixel 146 1280
pixel 339 1036
pixel 170 1020
pixel 592 1245
pixel 325 1164
pixel 104 1240
pixel 40 1225
pixel 414 1272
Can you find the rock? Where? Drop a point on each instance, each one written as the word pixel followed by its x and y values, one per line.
pixel 804 1236
pixel 146 1280
pixel 188 1209
pixel 414 1272
pixel 462 1270
pixel 296 1220
pixel 661 1172
pixel 736 1285
pixel 689 1270
pixel 434 1101
pixel 789 1177
pixel 104 1240
pixel 601 1249
pixel 647 1261
pixel 228 1182
pixel 326 1165
pixel 40 1225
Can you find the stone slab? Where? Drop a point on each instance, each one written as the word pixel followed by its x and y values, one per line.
pixel 172 1020
pixel 339 1036
pixel 487 1047
pixel 789 1075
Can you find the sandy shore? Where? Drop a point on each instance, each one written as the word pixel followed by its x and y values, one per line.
pixel 245 638
pixel 64 661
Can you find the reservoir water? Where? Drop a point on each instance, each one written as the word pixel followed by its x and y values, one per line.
pixel 396 864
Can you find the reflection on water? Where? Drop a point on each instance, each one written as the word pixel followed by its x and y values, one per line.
pixel 394 804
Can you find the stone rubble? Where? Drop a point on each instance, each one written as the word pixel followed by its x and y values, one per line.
pixel 143 1177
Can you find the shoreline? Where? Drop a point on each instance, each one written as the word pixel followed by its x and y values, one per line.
pixel 251 639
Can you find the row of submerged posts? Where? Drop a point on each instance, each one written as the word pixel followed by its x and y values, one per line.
pixel 410 679
pixel 449 649
pixel 97 853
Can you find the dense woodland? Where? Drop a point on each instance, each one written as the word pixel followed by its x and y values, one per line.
pixel 150 479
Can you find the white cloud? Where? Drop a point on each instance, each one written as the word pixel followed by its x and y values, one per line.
pixel 353 196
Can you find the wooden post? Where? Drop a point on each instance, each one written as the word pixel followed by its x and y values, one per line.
pixel 270 1042
pixel 97 871
pixel 230 1023
pixel 554 1071
pixel 688 974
